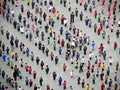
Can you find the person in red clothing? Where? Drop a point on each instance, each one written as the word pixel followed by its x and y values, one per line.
pixel 88 74
pixel 115 45
pixel 115 2
pixel 31 83
pixel 114 10
pixel 64 67
pixel 62 19
pixel 4 5
pixel 92 68
pixel 53 10
pixel 101 47
pixel 95 14
pixel 64 84
pixel 3 13
pixel 62 43
pixel 102 86
pixel 103 2
pixel 34 74
pixel 99 31
pixel 109 6
pixel 48 87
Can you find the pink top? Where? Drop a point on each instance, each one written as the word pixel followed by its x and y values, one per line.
pixel 102 8
pixel 16 2
pixel 80 1
pixel 109 14
pixel 30 69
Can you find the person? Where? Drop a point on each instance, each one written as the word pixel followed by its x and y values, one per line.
pixel 117 66
pixel 41 81
pixel 78 80
pixel 64 67
pixel 93 79
pixel 34 74
pixel 71 88
pixel 93 45
pixel 26 81
pixel 64 84
pixel 54 75
pixel 47 69
pixel 3 74
pixel 48 87
pixel 60 80
pixel 115 86
pixel 72 74
pixel 87 74
pixel 102 86
pixel 28 2
pixel 30 82
pixel 110 60
pixel 87 86
pixel 115 45
pixel 83 83
pixel 119 23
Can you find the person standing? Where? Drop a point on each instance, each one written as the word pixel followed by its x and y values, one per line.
pixel 102 86
pixel 28 2
pixel 87 86
pixel 72 74
pixel 47 69
pixel 72 17
pixel 30 82
pixel 88 74
pixel 34 74
pixel 64 67
pixel 93 79
pixel 60 80
pixel 54 75
pixel 41 81
pixel 64 84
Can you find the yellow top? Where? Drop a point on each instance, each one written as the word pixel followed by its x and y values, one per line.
pixel 57 14
pixel 87 87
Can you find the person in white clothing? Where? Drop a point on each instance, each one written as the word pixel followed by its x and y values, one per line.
pixel 35 41
pixel 22 29
pixel 12 12
pixel 83 60
pixel 38 88
pixel 110 60
pixel 119 23
pixel 65 22
pixel 20 88
pixel 90 55
pixel 72 74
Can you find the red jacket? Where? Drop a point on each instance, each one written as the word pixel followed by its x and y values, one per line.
pixel 102 86
pixel 88 74
pixel 64 84
pixel 114 9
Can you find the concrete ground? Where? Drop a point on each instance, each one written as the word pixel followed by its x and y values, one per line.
pixel 58 68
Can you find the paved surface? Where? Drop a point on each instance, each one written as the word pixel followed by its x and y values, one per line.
pixel 58 68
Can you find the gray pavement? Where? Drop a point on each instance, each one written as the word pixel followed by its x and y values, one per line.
pixel 47 79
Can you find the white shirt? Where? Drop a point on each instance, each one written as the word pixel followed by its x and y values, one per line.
pixel 12 11
pixel 35 40
pixel 65 21
pixel 19 88
pixel 83 60
pixel 22 29
pixel 73 43
pixel 119 22
pixel 38 88
pixel 110 60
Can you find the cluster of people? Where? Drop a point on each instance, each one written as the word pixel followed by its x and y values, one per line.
pixel 38 26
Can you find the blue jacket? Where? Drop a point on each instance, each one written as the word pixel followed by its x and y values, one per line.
pixel 4 57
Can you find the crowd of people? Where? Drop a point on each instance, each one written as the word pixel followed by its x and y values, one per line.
pixel 57 36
